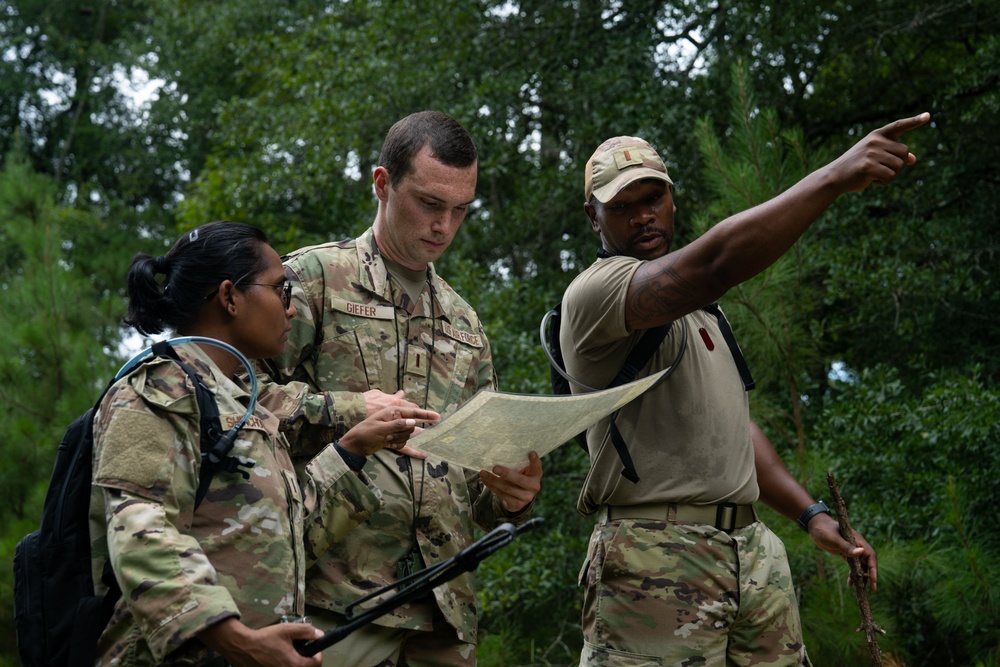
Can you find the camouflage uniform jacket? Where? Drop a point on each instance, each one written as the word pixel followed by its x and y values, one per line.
pixel 356 329
pixel 243 552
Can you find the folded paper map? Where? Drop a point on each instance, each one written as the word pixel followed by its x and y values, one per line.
pixel 496 428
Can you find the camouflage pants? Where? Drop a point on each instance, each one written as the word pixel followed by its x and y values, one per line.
pixel 378 646
pixel 658 593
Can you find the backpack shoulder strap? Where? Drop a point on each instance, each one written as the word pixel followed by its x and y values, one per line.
pixel 734 348
pixel 640 355
pixel 636 360
pixel 215 445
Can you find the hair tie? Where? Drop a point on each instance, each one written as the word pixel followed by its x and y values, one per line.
pixel 160 264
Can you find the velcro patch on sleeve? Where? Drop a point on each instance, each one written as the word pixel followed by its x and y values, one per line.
pixel 135 448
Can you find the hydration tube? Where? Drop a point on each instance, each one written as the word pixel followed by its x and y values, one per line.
pixel 543 336
pixel 204 340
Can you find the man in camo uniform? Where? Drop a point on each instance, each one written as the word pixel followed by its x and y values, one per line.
pixel 679 570
pixel 377 325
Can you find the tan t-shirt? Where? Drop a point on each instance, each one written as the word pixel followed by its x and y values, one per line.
pixel 689 436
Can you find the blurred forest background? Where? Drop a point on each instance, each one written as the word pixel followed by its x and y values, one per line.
pixel 874 342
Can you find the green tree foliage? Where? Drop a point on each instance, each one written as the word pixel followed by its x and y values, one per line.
pixel 920 264
pixel 66 74
pixel 56 331
pixel 67 106
pixel 901 446
pixel 942 599
pixel 918 465
pixel 273 113
pixel 56 335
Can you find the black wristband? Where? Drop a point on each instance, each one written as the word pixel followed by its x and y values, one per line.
pixel 354 461
pixel 811 511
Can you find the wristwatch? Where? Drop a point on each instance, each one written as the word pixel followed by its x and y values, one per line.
pixel 811 511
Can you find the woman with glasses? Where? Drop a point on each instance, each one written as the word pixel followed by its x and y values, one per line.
pixel 211 584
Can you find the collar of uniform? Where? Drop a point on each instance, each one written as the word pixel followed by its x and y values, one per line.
pixel 193 355
pixel 374 276
pixel 232 395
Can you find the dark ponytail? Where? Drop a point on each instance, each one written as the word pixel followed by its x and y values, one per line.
pixel 192 268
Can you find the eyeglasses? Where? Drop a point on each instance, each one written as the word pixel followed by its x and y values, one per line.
pixel 285 287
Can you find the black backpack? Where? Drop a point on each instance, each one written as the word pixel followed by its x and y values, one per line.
pixel 637 358
pixel 58 616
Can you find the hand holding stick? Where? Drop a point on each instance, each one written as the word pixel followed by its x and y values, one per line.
pixel 858 575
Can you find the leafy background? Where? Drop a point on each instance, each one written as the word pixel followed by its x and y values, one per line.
pixel 873 341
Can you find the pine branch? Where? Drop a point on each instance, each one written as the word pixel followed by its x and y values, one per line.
pixel 859 578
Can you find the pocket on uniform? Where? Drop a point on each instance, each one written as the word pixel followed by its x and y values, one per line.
pixel 592 548
pixel 293 491
pixel 602 656
pixel 353 357
pixel 581 578
pixel 459 374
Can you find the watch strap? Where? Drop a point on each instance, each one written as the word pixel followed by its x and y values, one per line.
pixel 811 511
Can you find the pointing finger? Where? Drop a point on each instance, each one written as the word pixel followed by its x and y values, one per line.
pixel 898 128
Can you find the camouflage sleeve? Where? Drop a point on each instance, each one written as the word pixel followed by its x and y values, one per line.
pixel 337 500
pixel 287 383
pixel 172 589
pixel 145 464
pixel 486 374
pixel 487 510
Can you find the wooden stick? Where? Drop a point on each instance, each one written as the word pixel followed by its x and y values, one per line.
pixel 859 578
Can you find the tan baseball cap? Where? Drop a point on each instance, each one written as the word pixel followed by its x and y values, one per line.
pixel 618 162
